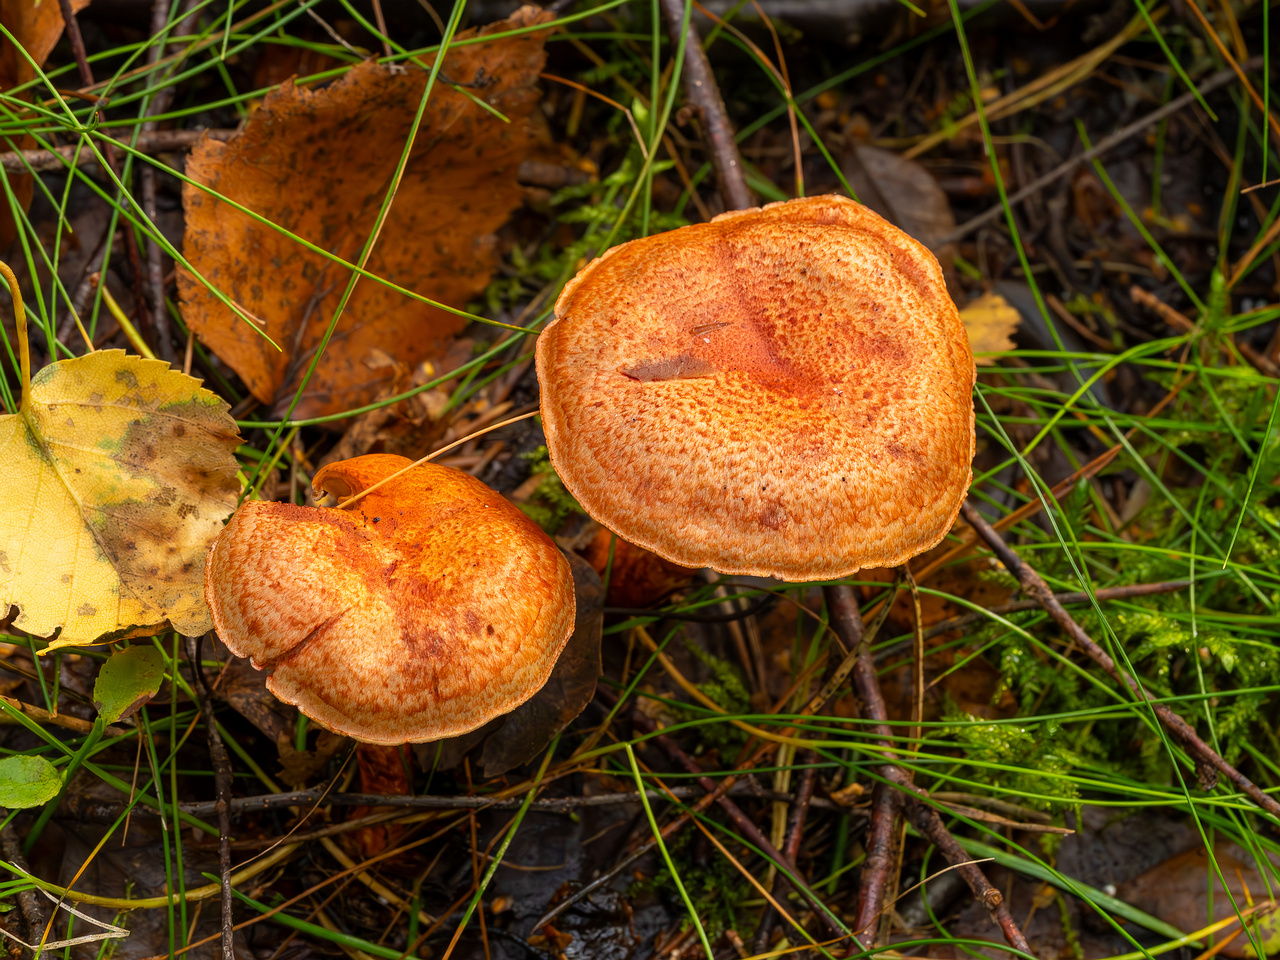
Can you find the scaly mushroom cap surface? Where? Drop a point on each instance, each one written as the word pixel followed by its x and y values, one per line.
pixel 426 609
pixel 783 391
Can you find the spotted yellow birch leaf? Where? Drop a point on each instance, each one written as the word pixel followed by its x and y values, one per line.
pixel 119 472
pixel 991 323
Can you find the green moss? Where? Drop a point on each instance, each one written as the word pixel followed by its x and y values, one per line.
pixel 552 504
pixel 726 687
pixel 712 883
pixel 1022 755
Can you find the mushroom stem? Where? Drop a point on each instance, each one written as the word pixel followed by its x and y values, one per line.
pixel 1209 763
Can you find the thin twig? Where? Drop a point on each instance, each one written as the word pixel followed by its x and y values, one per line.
pixel 60 158
pixel 1203 754
pixel 222 774
pixel 877 885
pixel 64 720
pixel 159 104
pixel 701 89
pixel 31 907
pixel 1060 489
pixel 277 801
pixel 847 622
pixel 749 762
pixel 799 813
pixel 666 833
pixel 744 824
pixel 72 26
pixel 1219 79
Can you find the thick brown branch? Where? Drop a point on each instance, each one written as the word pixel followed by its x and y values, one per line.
pixel 30 906
pixel 878 882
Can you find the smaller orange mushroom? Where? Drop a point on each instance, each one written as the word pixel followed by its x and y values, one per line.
pixel 426 609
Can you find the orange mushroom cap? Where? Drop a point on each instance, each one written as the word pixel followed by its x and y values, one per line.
pixel 783 391
pixel 425 610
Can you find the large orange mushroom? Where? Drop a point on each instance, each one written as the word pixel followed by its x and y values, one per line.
pixel 423 611
pixel 782 391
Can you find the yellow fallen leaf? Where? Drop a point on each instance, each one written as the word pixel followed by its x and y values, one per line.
pixel 990 322
pixel 118 474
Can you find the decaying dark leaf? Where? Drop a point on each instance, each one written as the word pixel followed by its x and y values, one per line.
pixel 904 193
pixel 1179 891
pixel 319 163
pixel 245 689
pixel 527 730
pixel 297 767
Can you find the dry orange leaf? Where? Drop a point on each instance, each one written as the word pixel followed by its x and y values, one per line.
pixel 37 25
pixel 318 163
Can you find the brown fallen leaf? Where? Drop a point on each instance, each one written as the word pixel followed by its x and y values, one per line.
pixel 904 193
pixel 318 163
pixel 1181 890
pixel 245 690
pixel 991 321
pixel 37 25
pixel 298 767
